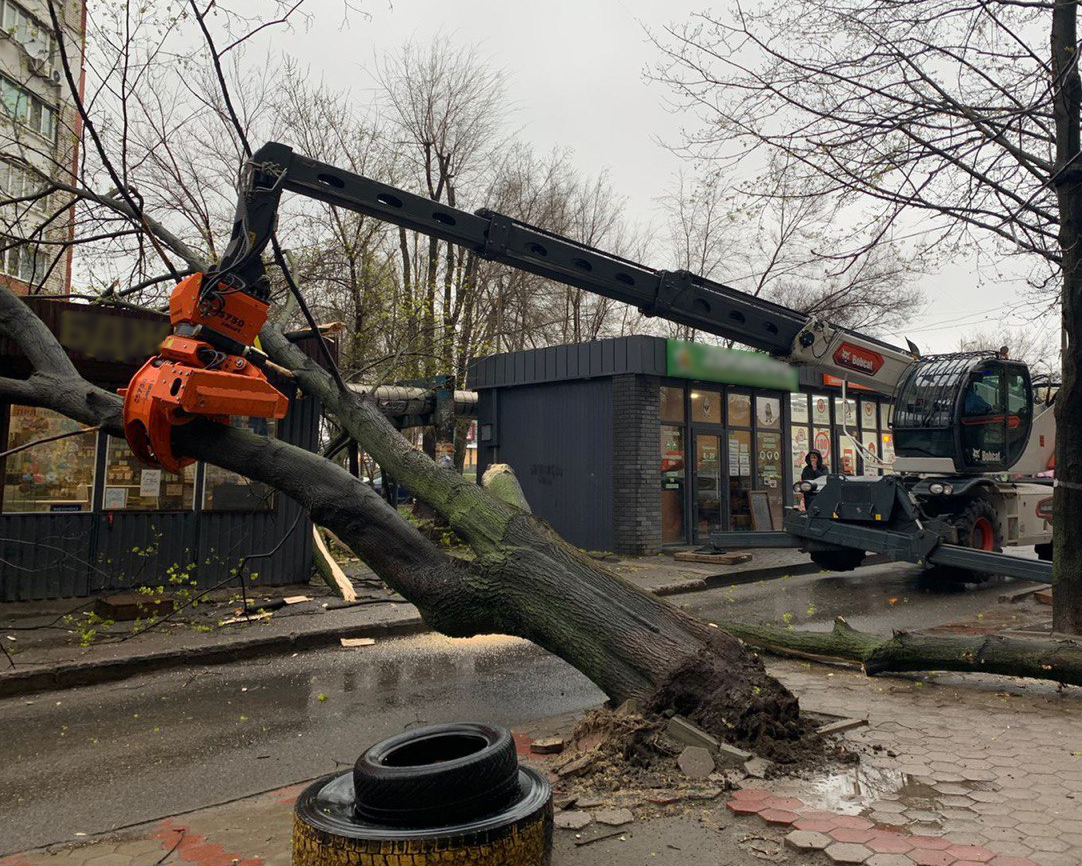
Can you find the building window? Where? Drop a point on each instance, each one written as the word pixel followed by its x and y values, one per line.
pixel 768 413
pixel 739 410
pixel 868 414
pixel 27 109
pixel 820 410
pixel 19 182
pixel 798 408
pixel 740 480
pixel 22 261
pixel 705 407
pixel 799 431
pixel 672 404
pixel 36 37
pixel 134 486
pixel 53 476
pixel 228 491
pixel 672 485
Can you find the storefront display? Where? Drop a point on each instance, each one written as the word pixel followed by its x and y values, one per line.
pixel 54 476
pixel 845 410
pixel 768 412
pixel 672 484
pixel 740 481
pixel 868 413
pixel 672 404
pixel 708 481
pixel 798 408
pixel 228 491
pixel 769 472
pixel 133 486
pixel 761 446
pixel 705 407
pixel 821 442
pixel 739 410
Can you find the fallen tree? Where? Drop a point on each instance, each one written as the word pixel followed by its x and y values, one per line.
pixel 524 580
pixel 1059 660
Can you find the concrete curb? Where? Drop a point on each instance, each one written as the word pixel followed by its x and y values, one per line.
pixel 751 575
pixel 72 674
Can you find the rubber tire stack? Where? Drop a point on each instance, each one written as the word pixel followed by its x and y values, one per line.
pixel 451 795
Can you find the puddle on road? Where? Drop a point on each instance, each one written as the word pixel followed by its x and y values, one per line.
pixel 865 789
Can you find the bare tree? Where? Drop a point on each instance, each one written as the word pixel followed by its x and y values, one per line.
pixel 1038 349
pixel 784 244
pixel 957 122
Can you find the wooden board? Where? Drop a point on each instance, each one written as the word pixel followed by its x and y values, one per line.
pixel 759 505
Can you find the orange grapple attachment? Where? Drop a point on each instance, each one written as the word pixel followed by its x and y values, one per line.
pixel 175 387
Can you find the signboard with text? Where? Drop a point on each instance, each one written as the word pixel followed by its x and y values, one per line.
pixel 686 360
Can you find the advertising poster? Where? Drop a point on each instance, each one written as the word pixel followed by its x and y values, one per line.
pixel 116 498
pixel 799 437
pixel 872 447
pixel 820 409
pixel 822 445
pixel 150 483
pixel 867 414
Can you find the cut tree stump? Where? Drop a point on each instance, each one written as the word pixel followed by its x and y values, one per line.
pixel 1059 659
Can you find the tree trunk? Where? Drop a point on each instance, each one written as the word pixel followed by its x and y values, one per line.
pixel 524 580
pixel 1056 660
pixel 1067 495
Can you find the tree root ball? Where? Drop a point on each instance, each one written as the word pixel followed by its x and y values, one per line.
pixel 727 692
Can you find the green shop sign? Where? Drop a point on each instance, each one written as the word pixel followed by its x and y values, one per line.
pixel 732 366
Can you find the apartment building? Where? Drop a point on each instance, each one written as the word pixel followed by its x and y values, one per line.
pixel 39 143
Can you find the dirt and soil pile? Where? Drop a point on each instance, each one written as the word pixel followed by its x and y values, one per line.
pixel 738 703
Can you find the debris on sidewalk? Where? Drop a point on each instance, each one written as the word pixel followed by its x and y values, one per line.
pixel 352 642
pixel 840 726
pixel 573 820
pixel 614 817
pixel 233 620
pixel 547 746
pixel 757 768
pixel 329 570
pixel 695 762
pixel 128 606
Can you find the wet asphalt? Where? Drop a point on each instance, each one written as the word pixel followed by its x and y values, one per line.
pixel 94 759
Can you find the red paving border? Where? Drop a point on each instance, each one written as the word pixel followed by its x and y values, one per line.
pixel 861 840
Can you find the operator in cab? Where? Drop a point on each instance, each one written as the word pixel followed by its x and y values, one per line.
pixel 813 468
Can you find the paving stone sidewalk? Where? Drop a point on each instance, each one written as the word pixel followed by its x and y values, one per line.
pixel 954 770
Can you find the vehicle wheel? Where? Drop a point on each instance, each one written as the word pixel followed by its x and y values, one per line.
pixel 1044 551
pixel 327 831
pixel 977 525
pixel 844 559
pixel 439 775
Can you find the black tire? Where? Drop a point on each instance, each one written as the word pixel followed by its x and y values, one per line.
pixel 977 526
pixel 845 559
pixel 437 775
pixel 327 832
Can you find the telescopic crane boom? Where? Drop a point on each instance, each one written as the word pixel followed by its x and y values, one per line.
pixel 959 417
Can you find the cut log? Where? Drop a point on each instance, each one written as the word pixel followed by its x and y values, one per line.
pixel 329 570
pixel 500 480
pixel 1059 660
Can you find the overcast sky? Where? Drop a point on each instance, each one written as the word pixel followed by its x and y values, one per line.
pixel 576 79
